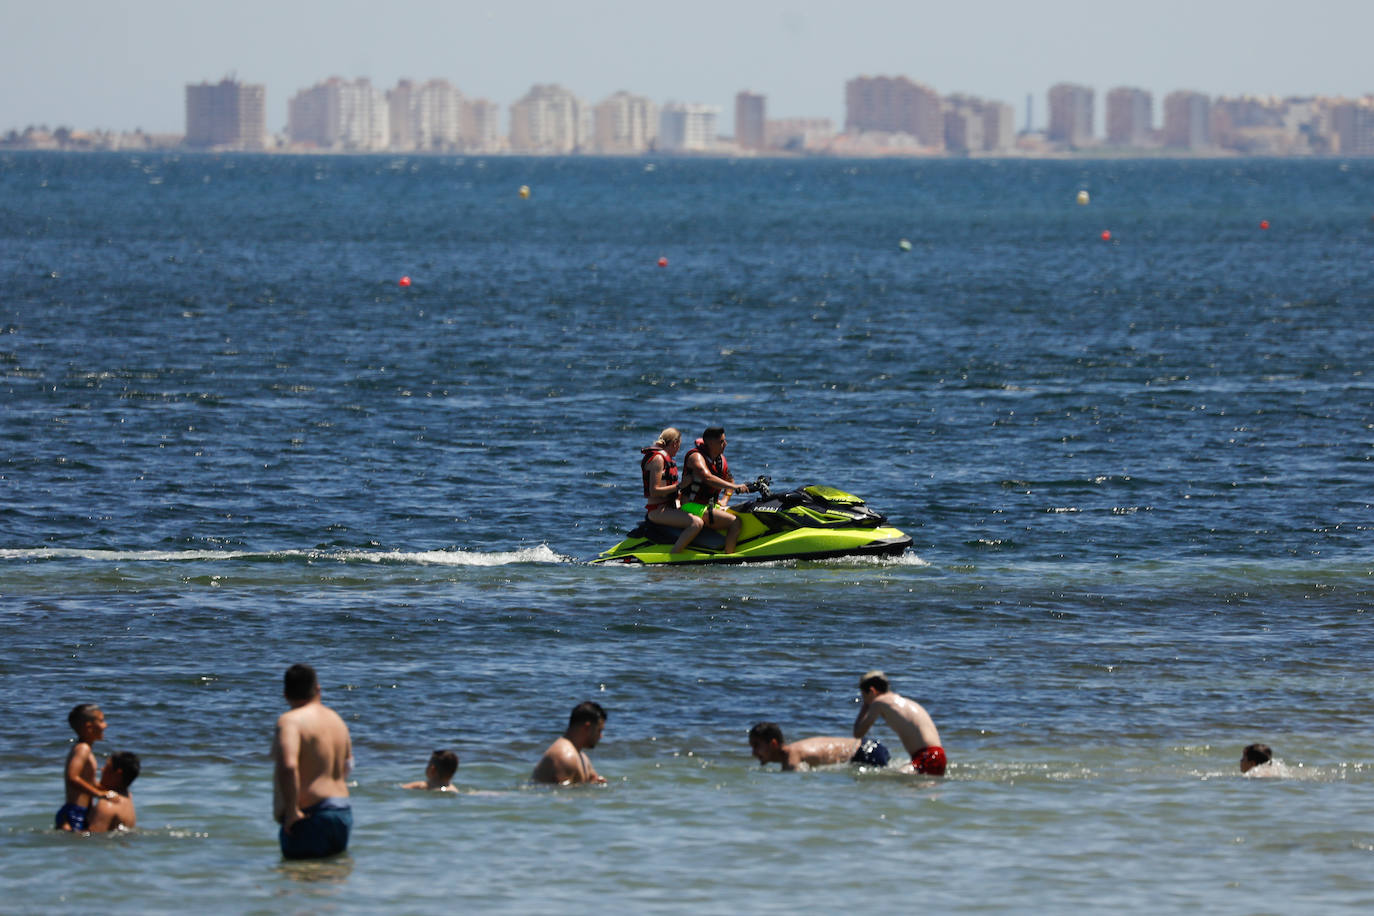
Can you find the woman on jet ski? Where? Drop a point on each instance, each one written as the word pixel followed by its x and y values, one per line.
pixel 661 486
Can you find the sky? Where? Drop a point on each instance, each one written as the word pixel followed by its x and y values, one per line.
pixel 124 64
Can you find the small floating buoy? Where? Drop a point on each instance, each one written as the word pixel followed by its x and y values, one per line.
pixel 1106 235
pixel 662 262
pixel 1264 224
pixel 524 192
pixel 904 244
pixel 403 282
pixel 1083 198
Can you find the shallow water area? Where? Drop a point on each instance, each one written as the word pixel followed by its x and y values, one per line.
pixel 1136 475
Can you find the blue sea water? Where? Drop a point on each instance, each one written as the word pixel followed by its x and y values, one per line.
pixel 1137 473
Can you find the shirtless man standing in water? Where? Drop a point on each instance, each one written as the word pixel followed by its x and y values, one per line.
pixel 312 754
pixel 906 717
pixel 565 763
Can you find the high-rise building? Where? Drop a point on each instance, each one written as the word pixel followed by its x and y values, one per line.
pixel 1187 120
pixel 549 119
pixel 481 126
pixel 999 127
pixel 399 102
pixel 1353 124
pixel 226 115
pixel 1071 114
pixel 750 120
pixel 974 125
pixel 963 130
pixel 340 115
pixel 436 117
pixel 687 128
pixel 624 123
pixel 895 105
pixel 1130 116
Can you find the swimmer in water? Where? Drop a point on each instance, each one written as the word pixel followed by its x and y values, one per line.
pixel 906 717
pixel 1257 760
pixel 116 813
pixel 438 774
pixel 565 763
pixel 767 745
pixel 79 771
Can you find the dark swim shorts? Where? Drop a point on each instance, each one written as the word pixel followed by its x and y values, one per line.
pixel 930 761
pixel 73 816
pixel 871 753
pixel 324 832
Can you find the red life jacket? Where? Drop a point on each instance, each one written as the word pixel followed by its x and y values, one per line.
pixel 699 491
pixel 669 475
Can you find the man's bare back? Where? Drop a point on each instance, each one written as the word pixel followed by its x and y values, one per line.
pixel 564 765
pixel 311 750
pixel 906 717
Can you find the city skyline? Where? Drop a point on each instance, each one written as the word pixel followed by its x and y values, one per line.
pixel 122 66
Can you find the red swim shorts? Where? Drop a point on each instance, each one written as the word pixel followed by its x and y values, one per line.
pixel 930 761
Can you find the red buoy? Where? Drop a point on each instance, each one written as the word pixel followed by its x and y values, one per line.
pixel 1106 235
pixel 1264 224
pixel 662 262
pixel 404 281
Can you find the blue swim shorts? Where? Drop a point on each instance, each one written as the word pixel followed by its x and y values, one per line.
pixel 871 753
pixel 324 832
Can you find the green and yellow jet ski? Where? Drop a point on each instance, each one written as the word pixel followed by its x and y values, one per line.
pixel 810 523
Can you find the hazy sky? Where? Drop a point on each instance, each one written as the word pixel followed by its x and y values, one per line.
pixel 123 64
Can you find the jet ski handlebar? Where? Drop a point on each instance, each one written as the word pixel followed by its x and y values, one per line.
pixel 760 486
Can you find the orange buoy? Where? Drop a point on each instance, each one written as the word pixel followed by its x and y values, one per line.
pixel 1106 235
pixel 662 262
pixel 403 282
pixel 1264 224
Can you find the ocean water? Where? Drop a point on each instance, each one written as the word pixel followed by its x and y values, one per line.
pixel 1137 472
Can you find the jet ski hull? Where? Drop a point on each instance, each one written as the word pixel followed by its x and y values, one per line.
pixel 813 523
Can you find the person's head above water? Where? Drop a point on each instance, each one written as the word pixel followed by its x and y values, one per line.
pixel 1255 755
pixel 587 712
pixel 874 679
pixel 300 683
pixel 766 741
pixel 126 765
pixel 442 766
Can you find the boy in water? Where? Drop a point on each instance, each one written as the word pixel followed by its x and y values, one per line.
pixel 767 745
pixel 439 773
pixel 1256 755
pixel 114 813
pixel 906 717
pixel 88 722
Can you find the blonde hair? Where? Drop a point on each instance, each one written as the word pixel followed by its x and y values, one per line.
pixel 668 435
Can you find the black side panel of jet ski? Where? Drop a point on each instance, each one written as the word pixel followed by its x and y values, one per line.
pixel 664 534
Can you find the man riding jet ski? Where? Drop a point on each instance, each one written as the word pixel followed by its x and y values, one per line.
pixel 807 523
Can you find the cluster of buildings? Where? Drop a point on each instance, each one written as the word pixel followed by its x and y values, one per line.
pixel 883 116
pixel 1198 123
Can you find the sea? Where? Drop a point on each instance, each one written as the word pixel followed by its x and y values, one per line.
pixel 1132 440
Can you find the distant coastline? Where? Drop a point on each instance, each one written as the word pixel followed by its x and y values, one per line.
pixel 1028 146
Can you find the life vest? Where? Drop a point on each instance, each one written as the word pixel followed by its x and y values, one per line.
pixel 699 491
pixel 669 475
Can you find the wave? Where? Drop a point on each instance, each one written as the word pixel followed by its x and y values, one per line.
pixel 540 554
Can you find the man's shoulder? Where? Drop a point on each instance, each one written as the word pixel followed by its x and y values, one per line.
pixel 561 747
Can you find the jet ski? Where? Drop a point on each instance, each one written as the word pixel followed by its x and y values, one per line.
pixel 809 523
